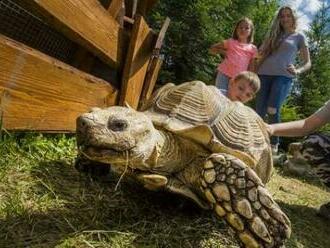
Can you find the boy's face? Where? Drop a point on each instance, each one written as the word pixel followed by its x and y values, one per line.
pixel 240 90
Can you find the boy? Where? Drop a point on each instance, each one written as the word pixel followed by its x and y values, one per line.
pixel 243 87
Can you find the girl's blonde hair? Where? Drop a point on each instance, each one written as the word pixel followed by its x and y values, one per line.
pixel 273 37
pixel 248 21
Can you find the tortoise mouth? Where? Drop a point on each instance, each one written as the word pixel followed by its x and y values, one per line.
pixel 116 160
pixel 95 152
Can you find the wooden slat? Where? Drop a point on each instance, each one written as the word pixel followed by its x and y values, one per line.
pixel 86 22
pixel 150 79
pixel 38 92
pixel 161 36
pixel 137 59
pixel 117 10
pixel 154 65
pixel 115 7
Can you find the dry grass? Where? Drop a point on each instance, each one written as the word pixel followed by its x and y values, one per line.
pixel 44 202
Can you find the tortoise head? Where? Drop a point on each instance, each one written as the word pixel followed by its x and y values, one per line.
pixel 117 135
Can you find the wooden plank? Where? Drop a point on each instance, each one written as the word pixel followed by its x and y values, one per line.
pixel 150 79
pixel 115 7
pixel 136 64
pixel 117 10
pixel 83 59
pixel 85 22
pixel 154 65
pixel 38 92
pixel 161 36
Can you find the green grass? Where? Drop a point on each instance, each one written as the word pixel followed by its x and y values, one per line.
pixel 45 202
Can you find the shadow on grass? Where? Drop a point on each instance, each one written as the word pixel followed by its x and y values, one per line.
pixel 308 229
pixel 70 210
pixel 309 177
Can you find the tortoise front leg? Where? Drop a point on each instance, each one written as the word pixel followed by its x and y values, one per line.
pixel 174 185
pixel 236 194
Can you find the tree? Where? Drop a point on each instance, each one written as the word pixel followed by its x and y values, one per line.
pixel 196 25
pixel 315 84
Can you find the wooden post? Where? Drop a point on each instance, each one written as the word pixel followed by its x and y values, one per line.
pixel 136 64
pixel 117 10
pixel 154 65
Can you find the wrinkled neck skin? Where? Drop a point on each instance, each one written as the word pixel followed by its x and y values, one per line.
pixel 173 153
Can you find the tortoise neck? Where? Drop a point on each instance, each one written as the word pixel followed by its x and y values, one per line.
pixel 175 152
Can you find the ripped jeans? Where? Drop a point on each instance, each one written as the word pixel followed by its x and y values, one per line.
pixel 273 92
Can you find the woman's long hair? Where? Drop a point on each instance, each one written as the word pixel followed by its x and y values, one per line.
pixel 273 37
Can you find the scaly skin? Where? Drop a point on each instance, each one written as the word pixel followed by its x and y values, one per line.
pixel 237 194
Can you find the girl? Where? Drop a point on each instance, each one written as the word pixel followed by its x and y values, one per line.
pixel 276 66
pixel 238 52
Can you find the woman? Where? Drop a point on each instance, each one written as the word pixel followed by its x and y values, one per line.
pixel 276 65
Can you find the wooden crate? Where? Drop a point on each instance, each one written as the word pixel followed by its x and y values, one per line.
pixel 60 58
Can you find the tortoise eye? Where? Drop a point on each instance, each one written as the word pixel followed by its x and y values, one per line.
pixel 117 125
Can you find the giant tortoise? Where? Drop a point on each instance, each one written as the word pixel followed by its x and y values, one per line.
pixel 191 140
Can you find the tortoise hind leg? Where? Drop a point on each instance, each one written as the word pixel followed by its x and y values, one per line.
pixel 236 194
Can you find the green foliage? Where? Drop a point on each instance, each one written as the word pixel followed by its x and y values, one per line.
pixel 290 112
pixel 22 147
pixel 315 85
pixel 195 26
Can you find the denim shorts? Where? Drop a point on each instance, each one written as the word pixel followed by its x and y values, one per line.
pixel 222 82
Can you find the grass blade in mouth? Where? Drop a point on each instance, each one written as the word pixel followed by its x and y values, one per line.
pixel 122 175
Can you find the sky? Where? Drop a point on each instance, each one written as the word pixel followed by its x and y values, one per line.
pixel 305 9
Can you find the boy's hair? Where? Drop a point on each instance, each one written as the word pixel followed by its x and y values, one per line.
pixel 251 77
pixel 249 21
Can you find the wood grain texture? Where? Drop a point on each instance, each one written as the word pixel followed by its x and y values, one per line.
pixel 136 64
pixel 85 22
pixel 38 92
pixel 154 64
pixel 117 10
pixel 150 79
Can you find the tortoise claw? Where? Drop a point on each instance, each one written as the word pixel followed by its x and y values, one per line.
pixel 152 181
pixel 237 194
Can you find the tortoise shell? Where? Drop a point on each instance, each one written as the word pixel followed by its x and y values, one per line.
pixel 203 114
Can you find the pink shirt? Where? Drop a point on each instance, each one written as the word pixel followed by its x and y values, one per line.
pixel 237 58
